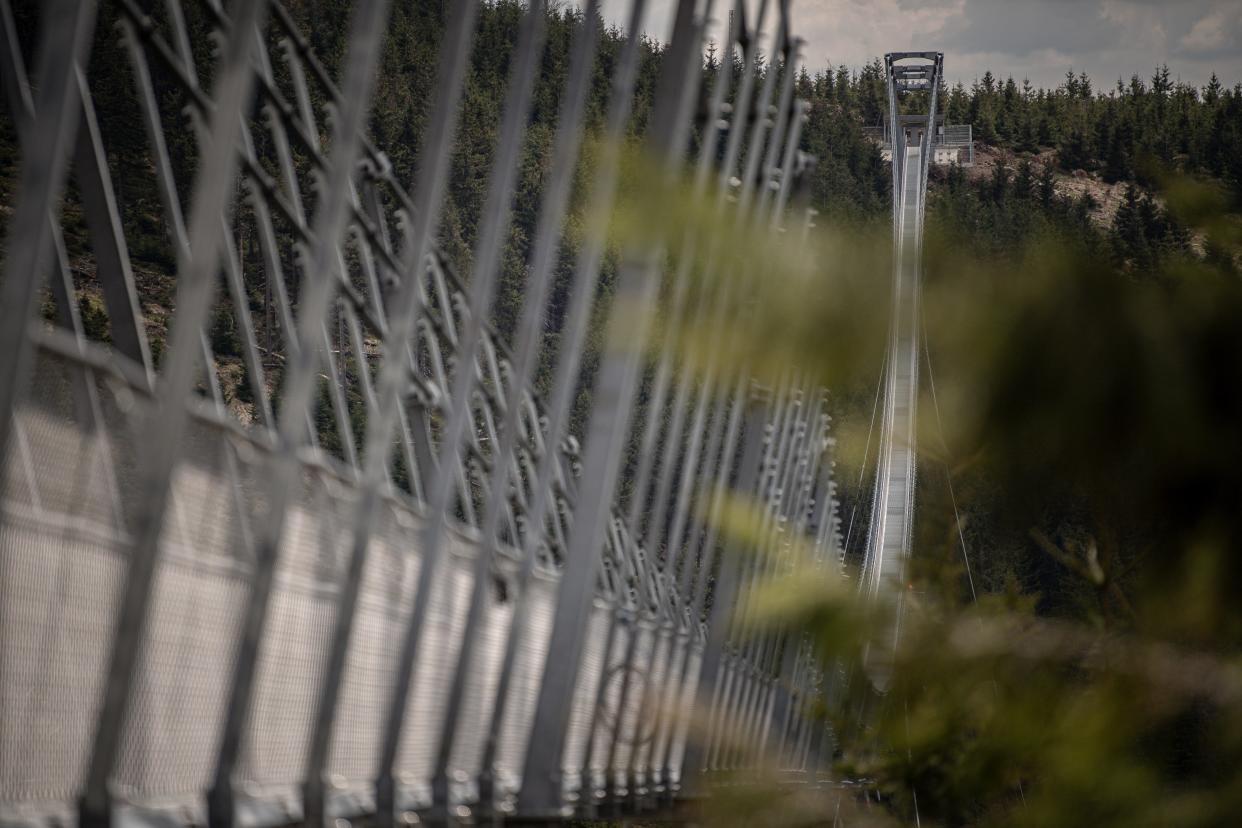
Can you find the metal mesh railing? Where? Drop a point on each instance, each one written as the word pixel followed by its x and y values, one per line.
pixel 955 135
pixel 344 559
pixel 952 144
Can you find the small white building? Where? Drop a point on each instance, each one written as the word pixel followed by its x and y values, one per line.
pixel 951 144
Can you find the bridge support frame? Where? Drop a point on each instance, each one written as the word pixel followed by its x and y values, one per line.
pixel 890 528
pixel 322 210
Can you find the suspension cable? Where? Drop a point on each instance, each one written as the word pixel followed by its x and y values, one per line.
pixel 862 470
pixel 953 498
pixel 948 471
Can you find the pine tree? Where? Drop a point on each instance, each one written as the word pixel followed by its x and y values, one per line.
pixel 1075 152
pixel 1128 233
pixel 1024 180
pixel 1046 187
pixel 1084 86
pixel 1071 85
pixel 1161 85
pixel 1211 92
pixel 1117 159
pixel 999 183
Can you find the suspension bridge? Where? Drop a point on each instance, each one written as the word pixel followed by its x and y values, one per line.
pixel 458 610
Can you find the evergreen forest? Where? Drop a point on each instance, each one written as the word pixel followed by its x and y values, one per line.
pixel 1081 455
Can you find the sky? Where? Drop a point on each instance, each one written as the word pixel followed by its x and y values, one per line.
pixel 1035 39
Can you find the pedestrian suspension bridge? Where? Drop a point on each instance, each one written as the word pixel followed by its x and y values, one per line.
pixel 267 614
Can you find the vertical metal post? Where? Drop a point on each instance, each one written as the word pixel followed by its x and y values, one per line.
pixel 196 285
pixel 569 355
pixel 696 575
pixel 769 643
pixel 65 33
pixel 653 531
pixel 566 145
pixel 552 213
pixel 99 207
pixel 432 178
pixel 750 646
pixel 672 441
pixel 611 410
pixel 755 148
pixel 636 545
pixel 795 667
pixel 712 662
pixel 753 412
pixel 318 285
pixel 792 48
pixel 496 216
pixel 774 144
pixel 776 644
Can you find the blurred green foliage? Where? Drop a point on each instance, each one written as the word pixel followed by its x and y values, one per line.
pixel 1086 414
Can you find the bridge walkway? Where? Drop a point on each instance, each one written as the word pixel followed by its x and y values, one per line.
pixel 351 563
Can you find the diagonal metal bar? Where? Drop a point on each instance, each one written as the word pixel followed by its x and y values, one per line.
pixel 103 220
pixel 671 554
pixel 552 214
pixel 496 217
pixel 611 409
pixel 212 190
pixel 64 44
pixel 404 309
pixel 21 108
pixel 569 357
pixel 318 282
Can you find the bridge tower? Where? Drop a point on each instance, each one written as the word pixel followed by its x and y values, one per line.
pixel 911 132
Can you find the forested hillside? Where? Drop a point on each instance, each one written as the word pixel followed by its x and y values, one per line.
pixel 1036 146
pixel 1108 179
pixel 1050 156
pixel 1077 523
pixel 1086 163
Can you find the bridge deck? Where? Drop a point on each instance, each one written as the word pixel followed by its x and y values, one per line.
pixel 892 514
pixel 300 605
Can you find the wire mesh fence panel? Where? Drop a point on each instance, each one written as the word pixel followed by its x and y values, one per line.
pixel 480 694
pixel 63 555
pixel 368 675
pixel 685 722
pixel 429 695
pixel 594 672
pixel 647 717
pixel 291 659
pixel 520 708
pixel 258 404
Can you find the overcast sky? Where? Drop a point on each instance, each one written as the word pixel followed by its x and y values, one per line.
pixel 1036 39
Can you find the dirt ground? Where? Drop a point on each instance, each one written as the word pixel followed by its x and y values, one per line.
pixel 1107 196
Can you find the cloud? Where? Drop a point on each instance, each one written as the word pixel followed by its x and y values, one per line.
pixel 1140 26
pixel 1036 39
pixel 1208 35
pixel 854 31
pixel 1215 34
pixel 1018 28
